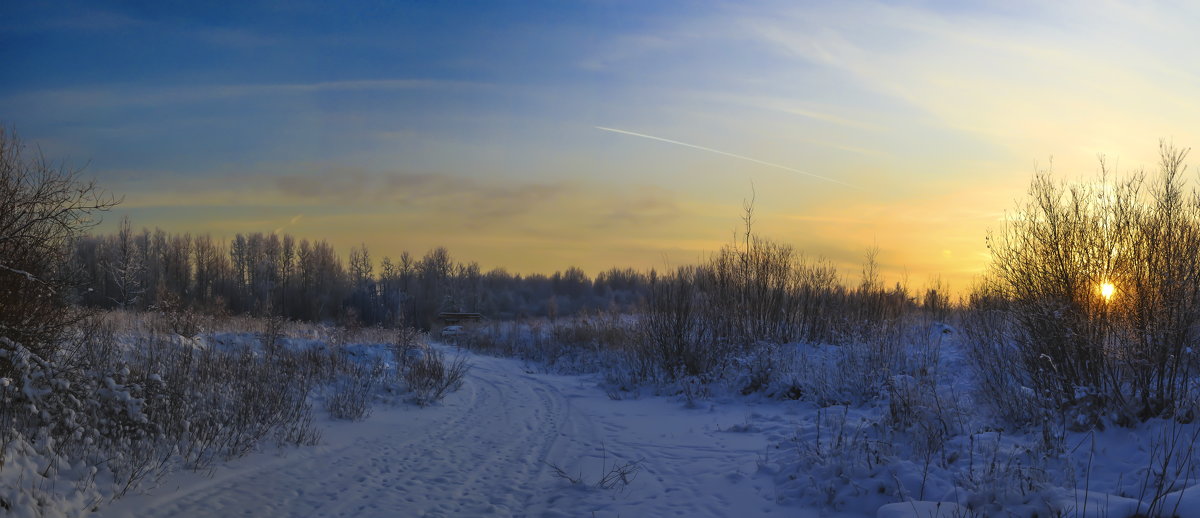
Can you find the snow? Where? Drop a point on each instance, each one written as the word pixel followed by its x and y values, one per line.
pixel 488 450
pixel 518 441
pixel 922 510
pixel 1184 503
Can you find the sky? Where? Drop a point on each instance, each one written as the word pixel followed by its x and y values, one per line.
pixel 535 135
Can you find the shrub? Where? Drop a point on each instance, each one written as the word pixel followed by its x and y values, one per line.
pixel 406 346
pixel 838 461
pixel 432 376
pixel 173 318
pixel 104 413
pixel 996 361
pixel 1094 291
pixel 701 321
pixel 670 323
pixel 353 391
pixel 42 209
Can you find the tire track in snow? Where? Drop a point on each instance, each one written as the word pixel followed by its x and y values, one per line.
pixel 482 452
pixel 486 450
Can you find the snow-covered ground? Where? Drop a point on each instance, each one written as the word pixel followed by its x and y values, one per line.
pixel 491 449
pixel 517 441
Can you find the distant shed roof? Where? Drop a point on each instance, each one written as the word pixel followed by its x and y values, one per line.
pixel 451 317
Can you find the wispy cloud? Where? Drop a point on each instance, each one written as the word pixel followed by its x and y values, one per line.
pixel 827 117
pixel 651 206
pixel 471 137
pixel 479 203
pixel 628 47
pixel 1037 79
pixel 856 119
pixel 126 96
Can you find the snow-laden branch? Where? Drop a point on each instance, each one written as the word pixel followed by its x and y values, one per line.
pixel 23 273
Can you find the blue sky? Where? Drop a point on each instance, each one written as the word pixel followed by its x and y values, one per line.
pixel 407 125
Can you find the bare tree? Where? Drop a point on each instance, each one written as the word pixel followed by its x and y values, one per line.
pixel 43 207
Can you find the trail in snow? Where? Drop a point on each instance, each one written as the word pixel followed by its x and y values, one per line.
pixel 486 451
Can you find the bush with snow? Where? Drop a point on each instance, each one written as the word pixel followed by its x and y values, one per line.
pixel 431 377
pixel 353 390
pixel 77 430
pixel 1092 302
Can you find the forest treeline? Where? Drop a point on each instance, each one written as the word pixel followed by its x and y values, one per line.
pixel 278 274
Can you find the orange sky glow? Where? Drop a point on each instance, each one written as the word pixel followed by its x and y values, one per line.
pixel 536 136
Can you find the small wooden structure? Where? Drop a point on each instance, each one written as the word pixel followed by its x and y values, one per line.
pixel 453 318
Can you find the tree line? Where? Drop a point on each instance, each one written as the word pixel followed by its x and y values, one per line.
pixel 278 274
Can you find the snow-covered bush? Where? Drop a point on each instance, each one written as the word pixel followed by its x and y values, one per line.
pixel 433 376
pixel 497 338
pixel 994 361
pixel 354 389
pixel 584 343
pixel 109 414
pixel 172 317
pixel 838 461
pixel 407 346
pixel 1003 477
pixel 1097 289
pixel 100 416
pixel 757 370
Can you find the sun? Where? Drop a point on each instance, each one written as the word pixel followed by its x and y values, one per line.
pixel 1107 290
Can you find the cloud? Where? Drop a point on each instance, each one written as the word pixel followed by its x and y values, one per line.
pixel 827 117
pixel 472 202
pixel 1059 76
pixel 479 203
pixel 96 20
pixel 490 206
pixel 625 48
pixel 402 186
pixel 569 209
pixel 652 206
pixel 130 96
pixel 342 185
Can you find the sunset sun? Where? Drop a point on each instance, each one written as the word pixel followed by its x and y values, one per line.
pixel 1107 290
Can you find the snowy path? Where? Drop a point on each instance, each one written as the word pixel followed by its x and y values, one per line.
pixel 485 452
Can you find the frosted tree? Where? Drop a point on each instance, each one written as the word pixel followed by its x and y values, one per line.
pixel 125 266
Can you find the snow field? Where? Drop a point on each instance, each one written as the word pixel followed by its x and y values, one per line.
pixel 517 441
pixel 490 450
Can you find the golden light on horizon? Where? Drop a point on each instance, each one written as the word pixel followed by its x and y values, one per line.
pixel 1107 290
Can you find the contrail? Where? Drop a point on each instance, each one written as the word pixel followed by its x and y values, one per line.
pixel 726 153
